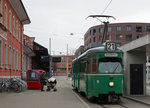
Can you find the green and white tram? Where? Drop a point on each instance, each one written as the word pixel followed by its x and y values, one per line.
pixel 98 72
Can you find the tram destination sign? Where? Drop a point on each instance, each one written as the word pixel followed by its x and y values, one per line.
pixel 111 54
pixel 110 46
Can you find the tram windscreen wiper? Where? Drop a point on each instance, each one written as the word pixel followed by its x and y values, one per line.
pixel 115 68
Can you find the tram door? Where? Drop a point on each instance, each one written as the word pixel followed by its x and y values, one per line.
pixel 136 79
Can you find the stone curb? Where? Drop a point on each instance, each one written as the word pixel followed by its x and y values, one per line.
pixel 136 100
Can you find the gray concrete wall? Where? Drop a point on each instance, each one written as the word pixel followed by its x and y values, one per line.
pixel 133 57
pixel 135 53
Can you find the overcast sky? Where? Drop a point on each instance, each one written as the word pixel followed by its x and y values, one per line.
pixel 56 19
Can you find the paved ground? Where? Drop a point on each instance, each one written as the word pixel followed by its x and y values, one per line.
pixel 65 97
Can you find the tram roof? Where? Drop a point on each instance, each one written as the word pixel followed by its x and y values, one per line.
pixel 101 48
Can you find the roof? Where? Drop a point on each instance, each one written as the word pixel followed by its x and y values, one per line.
pixel 20 11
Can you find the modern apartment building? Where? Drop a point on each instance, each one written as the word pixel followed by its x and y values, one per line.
pixel 121 33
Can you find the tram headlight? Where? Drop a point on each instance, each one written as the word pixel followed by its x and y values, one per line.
pixel 111 84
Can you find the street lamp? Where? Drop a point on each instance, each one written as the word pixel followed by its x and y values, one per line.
pixel 50 59
pixel 67 61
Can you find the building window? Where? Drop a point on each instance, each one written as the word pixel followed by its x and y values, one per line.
pixel 118 37
pixel 13 58
pixel 63 61
pixel 9 57
pixel 58 65
pixel 63 57
pixel 10 20
pixel 148 28
pixel 100 38
pixel 108 37
pixel 90 32
pixel 14 25
pixel 0 53
pixel 109 29
pixel 17 29
pixel 0 8
pixel 128 28
pixel 94 32
pixel 138 28
pixel 5 18
pixel 90 40
pixel 128 37
pixel 118 28
pixel 138 36
pixel 58 69
pixel 19 33
pixel 94 39
pixel 100 30
pixel 17 60
pixel 63 65
pixel 5 55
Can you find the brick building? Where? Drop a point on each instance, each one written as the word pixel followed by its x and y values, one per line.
pixel 13 17
pixel 28 53
pixel 121 33
pixel 59 66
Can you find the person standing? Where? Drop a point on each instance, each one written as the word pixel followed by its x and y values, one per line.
pixel 42 80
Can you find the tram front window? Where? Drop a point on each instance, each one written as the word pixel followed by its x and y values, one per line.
pixel 110 67
pixel 33 75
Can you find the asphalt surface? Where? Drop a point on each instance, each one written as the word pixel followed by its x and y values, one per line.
pixel 63 98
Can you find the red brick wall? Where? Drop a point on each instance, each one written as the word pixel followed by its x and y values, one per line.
pixel 13 41
pixel 63 72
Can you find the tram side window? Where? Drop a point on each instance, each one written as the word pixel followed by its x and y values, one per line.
pixel 94 63
pixel 89 65
pixel 82 66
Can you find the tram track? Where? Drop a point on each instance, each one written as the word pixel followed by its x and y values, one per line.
pixel 97 104
pixel 114 105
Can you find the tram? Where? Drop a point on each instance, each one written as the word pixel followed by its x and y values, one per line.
pixel 98 72
pixel 33 79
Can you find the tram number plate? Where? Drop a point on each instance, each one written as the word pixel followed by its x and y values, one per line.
pixel 110 46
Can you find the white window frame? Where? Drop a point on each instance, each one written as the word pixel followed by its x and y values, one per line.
pixel 13 25
pixel 109 29
pixel 10 21
pixel 1 10
pixel 6 55
pixel 10 56
pixel 128 28
pixel 118 28
pixel 1 56
pixel 19 33
pixel 5 15
pixel 14 58
pixel 17 29
pixel 19 60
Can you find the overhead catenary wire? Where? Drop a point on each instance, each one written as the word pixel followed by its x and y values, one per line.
pixel 103 11
pixel 106 7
